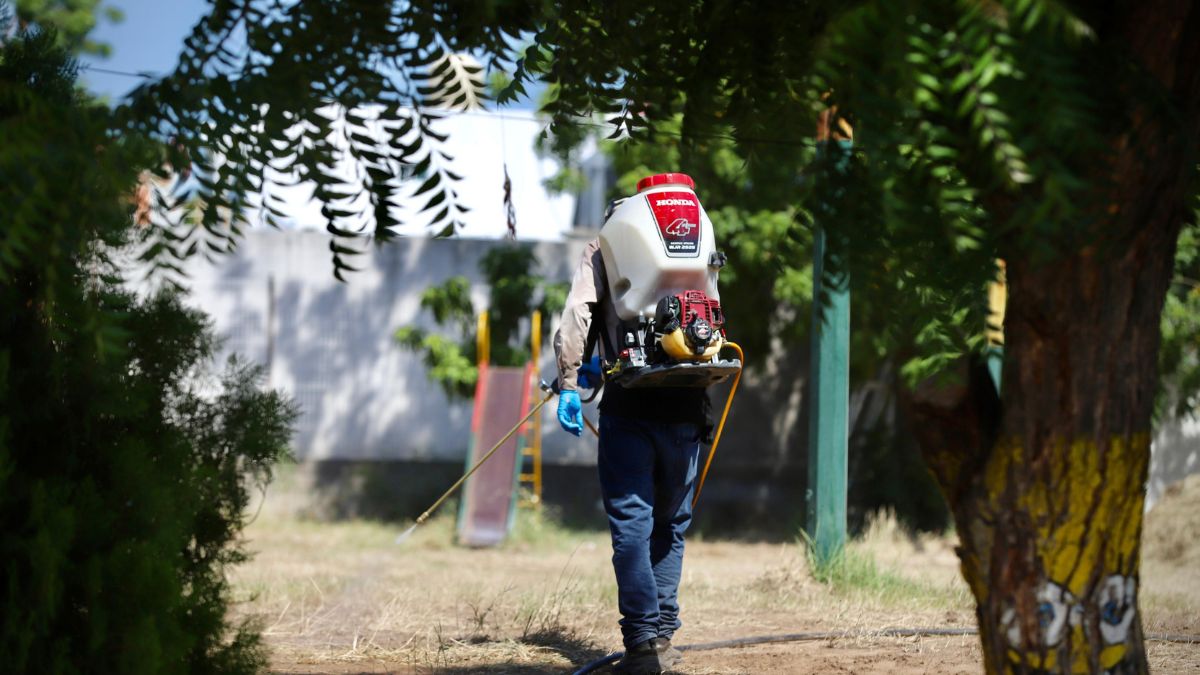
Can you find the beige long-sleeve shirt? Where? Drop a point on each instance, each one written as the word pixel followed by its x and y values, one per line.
pixel 589 293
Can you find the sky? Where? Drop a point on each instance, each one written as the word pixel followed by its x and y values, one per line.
pixel 148 40
pixel 151 36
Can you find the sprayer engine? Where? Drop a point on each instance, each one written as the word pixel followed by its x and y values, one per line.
pixel 679 346
pixel 687 327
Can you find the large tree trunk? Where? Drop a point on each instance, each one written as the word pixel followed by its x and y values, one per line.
pixel 1047 487
pixel 1049 511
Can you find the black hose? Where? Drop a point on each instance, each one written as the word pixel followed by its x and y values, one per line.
pixel 830 635
pixel 599 663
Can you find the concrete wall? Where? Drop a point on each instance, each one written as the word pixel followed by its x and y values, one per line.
pixel 1174 455
pixel 330 344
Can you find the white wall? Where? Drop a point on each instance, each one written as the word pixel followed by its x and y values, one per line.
pixel 330 344
pixel 1174 455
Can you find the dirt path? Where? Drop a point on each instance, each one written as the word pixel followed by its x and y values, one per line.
pixel 876 656
pixel 881 656
pixel 336 599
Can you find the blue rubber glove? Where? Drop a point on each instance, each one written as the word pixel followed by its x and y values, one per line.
pixel 570 411
pixel 589 375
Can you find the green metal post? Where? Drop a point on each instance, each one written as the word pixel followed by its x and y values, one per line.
pixel 829 396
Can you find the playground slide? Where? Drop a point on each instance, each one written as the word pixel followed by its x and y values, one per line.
pixel 489 497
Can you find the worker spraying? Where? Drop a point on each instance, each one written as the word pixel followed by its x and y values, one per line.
pixel 644 294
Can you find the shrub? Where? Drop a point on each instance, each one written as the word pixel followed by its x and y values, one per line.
pixel 125 460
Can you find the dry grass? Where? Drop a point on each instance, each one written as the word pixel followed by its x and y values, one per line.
pixel 1170 585
pixel 344 594
pixel 337 592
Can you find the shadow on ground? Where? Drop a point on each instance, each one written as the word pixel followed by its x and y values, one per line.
pixel 579 652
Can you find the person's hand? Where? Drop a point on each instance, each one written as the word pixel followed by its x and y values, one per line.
pixel 570 411
pixel 589 375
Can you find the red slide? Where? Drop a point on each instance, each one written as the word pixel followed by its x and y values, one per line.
pixel 489 497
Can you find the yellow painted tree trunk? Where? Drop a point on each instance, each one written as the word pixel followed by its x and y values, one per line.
pixel 1047 485
pixel 1053 556
pixel 1049 529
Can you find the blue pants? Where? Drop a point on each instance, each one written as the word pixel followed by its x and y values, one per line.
pixel 647 472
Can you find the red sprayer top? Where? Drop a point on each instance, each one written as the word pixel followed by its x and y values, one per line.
pixel 666 179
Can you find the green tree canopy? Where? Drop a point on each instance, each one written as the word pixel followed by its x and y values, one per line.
pixel 1179 360
pixel 71 20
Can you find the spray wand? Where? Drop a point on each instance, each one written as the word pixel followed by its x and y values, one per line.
pixel 429 511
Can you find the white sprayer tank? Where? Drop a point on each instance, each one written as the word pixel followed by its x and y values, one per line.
pixel 658 242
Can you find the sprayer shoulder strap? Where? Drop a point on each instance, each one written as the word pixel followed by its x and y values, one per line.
pixel 596 328
pixel 597 331
pixel 591 336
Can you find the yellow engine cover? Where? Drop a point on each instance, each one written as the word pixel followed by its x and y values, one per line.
pixel 679 348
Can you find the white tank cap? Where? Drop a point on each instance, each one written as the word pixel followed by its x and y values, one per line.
pixel 665 179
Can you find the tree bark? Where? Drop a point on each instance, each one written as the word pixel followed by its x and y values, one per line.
pixel 1047 487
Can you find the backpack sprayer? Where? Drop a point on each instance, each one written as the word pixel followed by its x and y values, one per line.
pixel 661 266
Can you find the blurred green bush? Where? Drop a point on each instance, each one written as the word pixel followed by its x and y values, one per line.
pixel 126 459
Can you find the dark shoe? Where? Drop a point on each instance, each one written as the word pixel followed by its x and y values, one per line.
pixel 640 659
pixel 667 655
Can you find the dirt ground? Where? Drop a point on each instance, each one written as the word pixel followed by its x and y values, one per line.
pixel 341 598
